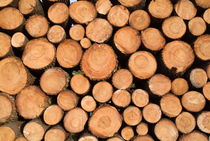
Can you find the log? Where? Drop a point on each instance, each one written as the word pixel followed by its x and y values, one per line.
pixel 142 129
pixel 77 32
pixel 118 16
pixel 203 3
pixel 5 45
pixel 177 55
pixel 5 3
pixel 198 77
pixel 152 113
pixel 85 43
pixel 121 98
pixel 28 7
pixel 99 30
pixel 69 53
pixel 130 3
pixel 67 100
pixel 19 40
pixel 132 115
pixel 115 138
pixel 105 121
pixel 179 86
pixel 21 139
pixel 203 121
pixel 208 71
pixel 103 6
pixel 31 102
pixel 88 137
pixel 88 103
pixel 206 16
pixel 142 64
pixel 143 138
pixel 153 39
pixel 82 12
pixel 102 91
pixel 98 62
pixel 56 133
pixel 159 84
pixel 139 19
pixel 127 40
pixel 185 122
pixel 38 54
pixel 140 97
pixel 194 136
pixel 127 133
pixel 206 90
pixel 197 26
pixel 56 34
pixel 193 101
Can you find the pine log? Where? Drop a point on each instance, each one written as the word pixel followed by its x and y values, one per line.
pixel 143 138
pixel 203 3
pixel 197 26
pixel 130 3
pixel 121 98
pixel 140 97
pixel 56 133
pixel 198 77
pixel 56 34
pixel 21 139
pixel 194 136
pixel 127 133
pixel 142 129
pixel 27 7
pixel 85 43
pixel 5 3
pixel 132 115
pixel 88 103
pixel 77 32
pixel 206 90
pixel 19 40
pixel 152 113
pixel 88 137
pixel 103 6
pixel 5 45
pixel 179 86
pixel 115 138
pixel 208 71
pixel 206 16
pixel 203 121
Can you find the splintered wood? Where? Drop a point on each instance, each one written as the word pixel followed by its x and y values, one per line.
pixel 104 70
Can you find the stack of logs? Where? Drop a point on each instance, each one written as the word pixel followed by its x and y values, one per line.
pixel 109 70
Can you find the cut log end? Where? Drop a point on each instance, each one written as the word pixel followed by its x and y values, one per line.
pixel 21 139
pixel 19 40
pixel 103 6
pixel 140 97
pixel 121 98
pixel 77 32
pixel 56 34
pixel 197 26
pixel 127 133
pixel 179 86
pixel 206 16
pixel 6 108
pixel 203 122
pixel 203 3
pixel 27 6
pixel 152 113
pixel 206 91
pixel 88 103
pixel 55 134
pixel 198 77
pixel 88 138
pixel 195 135
pixel 7 133
pixel 130 3
pixel 144 138
pixel 142 129
pixel 5 3
pixel 132 115
pixel 5 44
pixel 85 43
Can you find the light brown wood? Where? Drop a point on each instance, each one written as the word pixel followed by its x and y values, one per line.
pixel 174 27
pixel 185 9
pixel 21 139
pixel 56 34
pixel 139 19
pixel 27 7
pixel 85 43
pixel 56 133
pixel 121 98
pixel 31 102
pixel 88 138
pixel 143 138
pixel 7 133
pixel 178 55
pixel 88 103
pixel 7 17
pixel 75 120
pixel 54 80
pixel 99 61
pixel 140 97
pixel 77 32
pixel 38 54
pixel 105 121
pixel 103 6
pixel 197 26
pixel 159 84
pixel 37 26
pixel 152 113
pixel 132 115
pixel 198 77
pixel 142 129
pixel 179 86
pixel 206 16
pixel 127 133
pixel 160 8
pixel 130 3
pixel 5 44
pixel 165 130
pixel 185 122
pixel 5 3
pixel 118 16
pixel 7 108
pixel 203 121
pixel 208 71
pixel 115 138
pixel 127 40
pixel 206 90
pixel 82 12
pixel 201 47
pixel 99 30
pixel 102 91
pixel 153 39
pixel 193 101
pixel 142 64
pixel 67 100
pixel 203 3
pixel 19 40
pixel 194 136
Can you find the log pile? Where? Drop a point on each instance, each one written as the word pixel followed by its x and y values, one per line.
pixel 104 70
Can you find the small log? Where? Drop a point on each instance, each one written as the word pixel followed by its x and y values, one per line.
pixel 206 90
pixel 178 55
pixel 197 26
pixel 5 45
pixel 208 71
pixel 179 86
pixel 121 98
pixel 118 16
pixel 99 61
pixel 185 9
pixel 7 16
pixel 203 3
pixel 127 40
pixel 194 136
pixel 132 115
pixel 160 8
pixel 130 3
pixel 21 139
pixel 203 121
pixel 87 138
pixel 102 91
pixel 185 122
pixel 82 12
pixel 201 47
pixel 27 7
pixel 69 53
pixel 143 138
pixel 206 16
pixel 67 100
pixel 170 105
pixel 165 130
pixel 193 101
pixel 75 120
pixel 103 6
pixel 105 122
pixel 99 30
pixel 37 26
pixel 88 103
pixel 31 102
pixel 198 77
pixel 56 34
pixel 142 129
pixel 77 32
pixel 142 64
pixel 6 3
pixel 54 80
pixel 115 138
pixel 140 97
pixel 19 40
pixel 153 39
pixel 38 54
pixel 127 133
pixel 159 84
pixel 139 19
pixel 85 43
pixel 56 133
pixel 122 79
pixel 152 113
pixel 174 27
